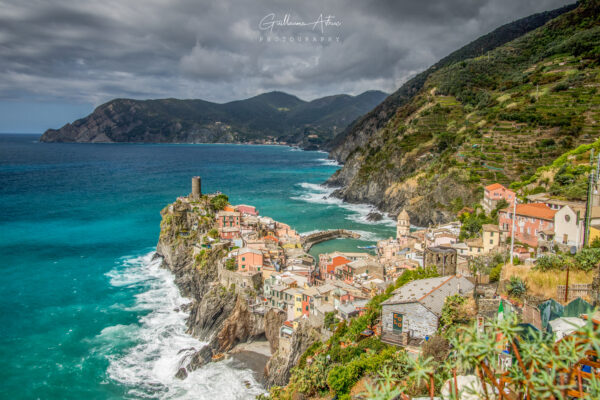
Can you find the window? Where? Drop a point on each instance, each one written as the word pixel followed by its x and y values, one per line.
pixel 567 218
pixel 243 266
pixel 306 308
pixel 243 258
pixel 491 241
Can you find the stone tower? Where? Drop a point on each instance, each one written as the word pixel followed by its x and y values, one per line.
pixel 196 187
pixel 403 225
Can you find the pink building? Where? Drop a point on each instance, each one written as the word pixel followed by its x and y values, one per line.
pixel 249 260
pixel 493 194
pixel 229 233
pixel 530 219
pixel 247 210
pixel 228 219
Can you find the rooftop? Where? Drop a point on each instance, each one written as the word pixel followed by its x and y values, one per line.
pixel 245 250
pixel 534 210
pixel 494 186
pixel 490 228
pixel 431 292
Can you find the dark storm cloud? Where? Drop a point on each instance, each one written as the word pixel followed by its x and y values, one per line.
pixel 90 51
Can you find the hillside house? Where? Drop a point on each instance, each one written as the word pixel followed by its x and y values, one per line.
pixel 490 237
pixel 247 210
pixel 228 219
pixel 530 219
pixel 493 194
pixel 249 259
pixel 414 309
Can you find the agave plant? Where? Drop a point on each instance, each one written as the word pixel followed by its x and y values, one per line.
pixel 516 286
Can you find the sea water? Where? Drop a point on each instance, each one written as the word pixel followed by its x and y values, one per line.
pixel 85 312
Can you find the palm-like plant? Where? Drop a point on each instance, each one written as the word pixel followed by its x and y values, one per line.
pixel 422 369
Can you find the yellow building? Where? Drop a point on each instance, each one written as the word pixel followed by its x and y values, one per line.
pixel 297 304
pixel 491 237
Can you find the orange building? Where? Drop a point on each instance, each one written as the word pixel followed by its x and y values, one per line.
pixel 530 219
pixel 249 260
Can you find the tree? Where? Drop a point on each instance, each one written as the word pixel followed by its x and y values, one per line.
pixel 230 264
pixel 213 233
pixel 219 202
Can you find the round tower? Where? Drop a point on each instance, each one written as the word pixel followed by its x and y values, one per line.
pixel 196 187
pixel 403 225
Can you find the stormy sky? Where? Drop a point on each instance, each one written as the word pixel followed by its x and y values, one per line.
pixel 61 58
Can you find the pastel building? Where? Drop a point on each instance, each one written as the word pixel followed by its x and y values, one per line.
pixel 493 194
pixel 491 237
pixel 228 219
pixel 249 260
pixel 530 219
pixel 247 210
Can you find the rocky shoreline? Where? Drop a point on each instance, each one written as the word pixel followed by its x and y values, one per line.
pixel 218 314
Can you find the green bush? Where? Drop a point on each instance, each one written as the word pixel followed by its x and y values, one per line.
pixel 587 259
pixel 495 273
pixel 549 263
pixel 219 202
pixel 230 264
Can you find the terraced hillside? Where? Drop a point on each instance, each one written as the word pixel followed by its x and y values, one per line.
pixel 496 117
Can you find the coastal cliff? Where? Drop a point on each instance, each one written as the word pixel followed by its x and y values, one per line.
pixel 269 118
pixel 495 110
pixel 219 314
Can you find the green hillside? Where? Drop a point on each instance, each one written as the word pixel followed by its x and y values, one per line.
pixel 274 116
pixel 493 118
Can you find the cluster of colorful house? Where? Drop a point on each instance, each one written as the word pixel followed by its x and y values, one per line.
pixel 266 261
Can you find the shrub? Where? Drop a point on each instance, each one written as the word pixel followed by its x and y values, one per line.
pixel 587 259
pixel 219 201
pixel 230 264
pixel 213 233
pixel 549 262
pixel 516 286
pixel 495 273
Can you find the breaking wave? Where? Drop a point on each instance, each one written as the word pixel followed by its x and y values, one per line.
pixel 321 194
pixel 157 344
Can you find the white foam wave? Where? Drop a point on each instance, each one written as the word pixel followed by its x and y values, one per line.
pixel 321 194
pixel 368 236
pixel 147 368
pixel 328 161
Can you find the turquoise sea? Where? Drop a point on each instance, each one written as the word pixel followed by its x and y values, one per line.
pixel 84 313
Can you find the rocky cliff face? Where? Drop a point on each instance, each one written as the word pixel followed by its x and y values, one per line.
pixel 280 364
pixel 217 314
pixel 412 151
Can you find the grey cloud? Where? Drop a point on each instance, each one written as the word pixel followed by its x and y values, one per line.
pixel 90 51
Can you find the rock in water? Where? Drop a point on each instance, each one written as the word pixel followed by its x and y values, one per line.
pixel 374 216
pixel 181 374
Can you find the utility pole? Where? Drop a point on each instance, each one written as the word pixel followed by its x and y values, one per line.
pixel 588 209
pixel 512 233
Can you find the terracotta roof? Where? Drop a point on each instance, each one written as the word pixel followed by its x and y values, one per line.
pixel 337 261
pixel 271 237
pixel 494 186
pixel 536 210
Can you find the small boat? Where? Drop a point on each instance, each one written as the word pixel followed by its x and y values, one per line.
pixel 218 357
pixel 367 247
